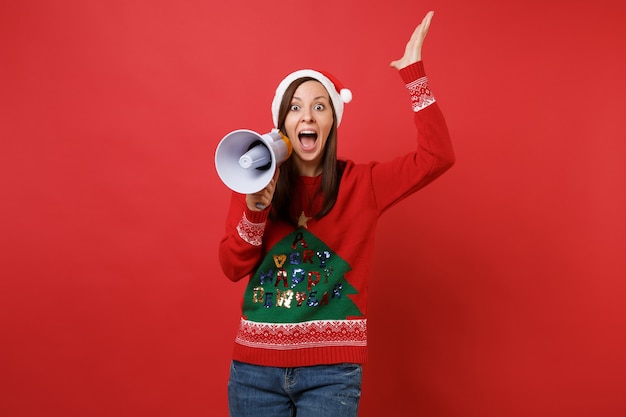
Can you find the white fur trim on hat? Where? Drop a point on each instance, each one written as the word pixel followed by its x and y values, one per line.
pixel 338 95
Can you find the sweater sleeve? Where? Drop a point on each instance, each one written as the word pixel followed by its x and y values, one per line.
pixel 394 180
pixel 241 246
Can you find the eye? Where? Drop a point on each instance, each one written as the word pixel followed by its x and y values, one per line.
pixel 294 107
pixel 319 107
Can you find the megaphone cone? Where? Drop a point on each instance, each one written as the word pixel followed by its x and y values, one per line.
pixel 246 161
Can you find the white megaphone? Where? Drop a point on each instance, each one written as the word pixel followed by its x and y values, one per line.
pixel 246 161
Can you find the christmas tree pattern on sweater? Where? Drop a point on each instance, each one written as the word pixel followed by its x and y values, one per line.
pixel 299 298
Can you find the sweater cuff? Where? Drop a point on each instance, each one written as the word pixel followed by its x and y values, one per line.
pixel 416 83
pixel 252 226
pixel 412 72
pixel 257 216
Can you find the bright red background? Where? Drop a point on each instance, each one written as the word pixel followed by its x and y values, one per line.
pixel 497 291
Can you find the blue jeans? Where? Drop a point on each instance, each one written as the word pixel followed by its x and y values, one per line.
pixel 310 391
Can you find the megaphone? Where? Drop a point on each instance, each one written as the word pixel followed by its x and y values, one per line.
pixel 246 161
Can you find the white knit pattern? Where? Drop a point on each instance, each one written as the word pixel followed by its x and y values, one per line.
pixel 317 333
pixel 250 232
pixel 421 96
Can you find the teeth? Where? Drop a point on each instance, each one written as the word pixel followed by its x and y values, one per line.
pixel 307 132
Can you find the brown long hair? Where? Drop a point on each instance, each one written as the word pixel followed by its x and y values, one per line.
pixel 286 187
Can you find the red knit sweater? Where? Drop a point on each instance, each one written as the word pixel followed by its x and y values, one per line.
pixel 306 298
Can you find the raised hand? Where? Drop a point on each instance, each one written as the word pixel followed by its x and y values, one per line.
pixel 413 50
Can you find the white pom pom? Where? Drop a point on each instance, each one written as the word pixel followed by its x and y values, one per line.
pixel 346 95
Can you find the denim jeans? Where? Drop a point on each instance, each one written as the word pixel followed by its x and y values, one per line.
pixel 310 391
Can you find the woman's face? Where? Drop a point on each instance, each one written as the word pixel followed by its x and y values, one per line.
pixel 308 124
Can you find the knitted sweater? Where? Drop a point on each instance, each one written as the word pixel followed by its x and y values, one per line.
pixel 306 298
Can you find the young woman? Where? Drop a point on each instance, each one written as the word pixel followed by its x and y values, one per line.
pixel 305 243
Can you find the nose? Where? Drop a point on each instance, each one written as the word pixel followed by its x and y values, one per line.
pixel 307 115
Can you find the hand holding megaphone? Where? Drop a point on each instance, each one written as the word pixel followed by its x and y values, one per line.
pixel 262 199
pixel 247 161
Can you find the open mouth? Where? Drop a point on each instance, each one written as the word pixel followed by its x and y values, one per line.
pixel 307 139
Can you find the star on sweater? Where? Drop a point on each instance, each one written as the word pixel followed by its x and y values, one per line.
pixel 302 220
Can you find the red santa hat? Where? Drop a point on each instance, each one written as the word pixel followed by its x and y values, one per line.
pixel 338 94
